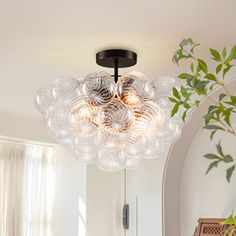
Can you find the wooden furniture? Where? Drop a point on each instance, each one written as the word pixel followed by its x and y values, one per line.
pixel 210 227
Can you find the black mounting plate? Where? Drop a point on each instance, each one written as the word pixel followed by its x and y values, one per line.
pixel 116 58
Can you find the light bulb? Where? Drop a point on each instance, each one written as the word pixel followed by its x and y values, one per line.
pixel 134 88
pixel 116 117
pixel 97 88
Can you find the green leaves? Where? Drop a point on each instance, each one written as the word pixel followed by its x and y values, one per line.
pixel 185 51
pixel 220 157
pixel 198 82
pixel 229 172
pixel 215 55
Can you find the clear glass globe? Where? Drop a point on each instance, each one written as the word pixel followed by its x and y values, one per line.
pixel 170 131
pixel 85 149
pixel 57 123
pixel 66 92
pixel 129 162
pixel 116 117
pixel 155 148
pixel 109 160
pixel 97 88
pixel 111 141
pixel 134 145
pixel 83 119
pixel 134 88
pixel 163 86
pixel 148 119
pixel 45 100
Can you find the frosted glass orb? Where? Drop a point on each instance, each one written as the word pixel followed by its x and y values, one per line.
pixel 82 119
pixel 134 88
pixel 66 92
pixel 44 100
pixel 116 117
pixel 148 119
pixel 97 88
pixel 109 160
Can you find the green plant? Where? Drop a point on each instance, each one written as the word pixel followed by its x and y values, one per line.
pixel 199 82
pixel 230 222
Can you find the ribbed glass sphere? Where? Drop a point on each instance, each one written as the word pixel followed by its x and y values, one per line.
pixel 58 124
pixel 97 88
pixel 85 149
pixel 170 131
pixel 110 140
pixel 116 117
pixel 83 119
pixel 163 86
pixel 128 161
pixel 148 119
pixel 66 92
pixel 109 160
pixel 134 88
pixel 155 148
pixel 45 100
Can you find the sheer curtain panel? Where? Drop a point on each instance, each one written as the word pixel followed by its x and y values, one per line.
pixel 27 188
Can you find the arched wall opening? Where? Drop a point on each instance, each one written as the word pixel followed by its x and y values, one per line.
pixel 187 193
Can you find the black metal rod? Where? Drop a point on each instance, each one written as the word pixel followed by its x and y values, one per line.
pixel 116 72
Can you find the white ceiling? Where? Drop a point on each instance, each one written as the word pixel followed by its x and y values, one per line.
pixel 46 39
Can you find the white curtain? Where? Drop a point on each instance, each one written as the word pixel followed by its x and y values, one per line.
pixel 27 187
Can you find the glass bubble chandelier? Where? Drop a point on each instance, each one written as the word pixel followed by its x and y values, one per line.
pixel 111 120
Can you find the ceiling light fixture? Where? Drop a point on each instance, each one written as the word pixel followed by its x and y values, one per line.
pixel 112 120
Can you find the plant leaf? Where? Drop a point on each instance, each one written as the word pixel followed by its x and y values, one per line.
pixel 202 65
pixel 212 165
pixel 215 54
pixel 228 158
pixel 211 156
pixel 176 93
pixel 219 149
pixel 218 68
pixel 229 172
pixel 175 109
pixel 210 77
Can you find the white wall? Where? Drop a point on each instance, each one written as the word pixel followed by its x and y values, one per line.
pixel 205 195
pixel 144 194
pixel 104 202
pixel 69 216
